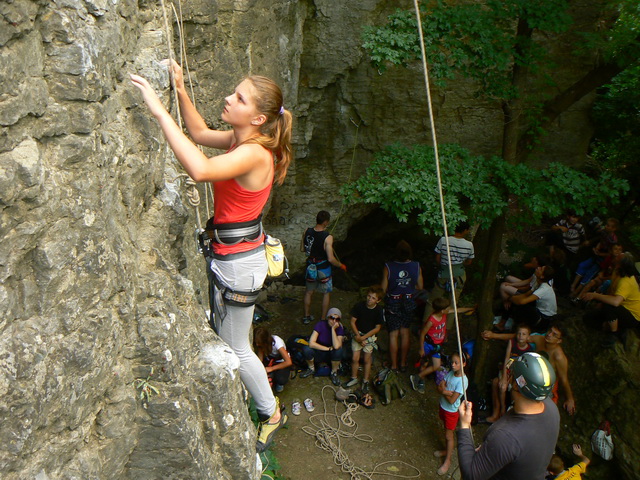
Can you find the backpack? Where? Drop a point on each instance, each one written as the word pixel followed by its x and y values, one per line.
pixel 294 346
pixel 387 385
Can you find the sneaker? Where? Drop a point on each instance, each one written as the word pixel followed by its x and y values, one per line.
pixel 307 373
pixel 308 404
pixel 351 383
pixel 278 388
pixel 295 407
pixel 307 320
pixel 266 430
pixel 416 383
pixel 365 387
pixel 334 379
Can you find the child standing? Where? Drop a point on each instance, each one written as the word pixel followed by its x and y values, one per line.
pixel 366 321
pixel 452 389
pixel 432 336
pixel 515 347
pixel 556 467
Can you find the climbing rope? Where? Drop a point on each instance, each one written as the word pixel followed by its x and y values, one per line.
pixel 328 430
pixel 192 192
pixel 440 192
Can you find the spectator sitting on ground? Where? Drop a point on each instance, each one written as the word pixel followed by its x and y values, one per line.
pixel 592 274
pixel 271 350
pixel 367 319
pixel 513 285
pixel 536 307
pixel 621 309
pixel 325 345
pixel 515 347
pixel 602 281
pixel 549 343
pixel 556 467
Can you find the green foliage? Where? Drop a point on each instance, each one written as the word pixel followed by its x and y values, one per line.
pixel 146 389
pixel 478 40
pixel 403 182
pixel 617 36
pixel 616 114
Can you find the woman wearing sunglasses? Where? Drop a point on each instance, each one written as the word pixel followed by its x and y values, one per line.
pixel 325 345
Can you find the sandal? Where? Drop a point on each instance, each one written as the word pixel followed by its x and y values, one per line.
pixel 295 407
pixel 308 404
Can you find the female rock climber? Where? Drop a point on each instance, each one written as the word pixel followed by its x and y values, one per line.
pixel 258 150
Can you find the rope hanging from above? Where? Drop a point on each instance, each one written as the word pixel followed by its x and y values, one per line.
pixel 440 191
pixel 192 192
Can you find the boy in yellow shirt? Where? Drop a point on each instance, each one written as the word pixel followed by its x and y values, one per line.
pixel 556 467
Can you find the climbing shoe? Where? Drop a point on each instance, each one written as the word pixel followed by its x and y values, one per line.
pixel 266 430
pixel 307 373
pixel 351 383
pixel 416 383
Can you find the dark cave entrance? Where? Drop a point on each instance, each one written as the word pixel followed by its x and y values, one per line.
pixel 370 243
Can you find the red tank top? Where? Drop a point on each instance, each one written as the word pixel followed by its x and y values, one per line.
pixel 232 204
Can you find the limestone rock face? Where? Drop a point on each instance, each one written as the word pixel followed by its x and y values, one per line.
pixel 101 286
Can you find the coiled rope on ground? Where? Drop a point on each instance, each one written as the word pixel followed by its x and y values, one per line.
pixel 329 430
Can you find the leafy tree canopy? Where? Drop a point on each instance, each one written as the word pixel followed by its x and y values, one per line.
pixel 485 40
pixel 402 180
pixel 616 114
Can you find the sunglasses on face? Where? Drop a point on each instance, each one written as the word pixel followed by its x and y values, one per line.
pixel 333 317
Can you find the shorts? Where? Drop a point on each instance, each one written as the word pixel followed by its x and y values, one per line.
pixel 369 346
pixel 323 283
pixel 431 350
pixel 450 419
pixel 316 286
pixel 399 313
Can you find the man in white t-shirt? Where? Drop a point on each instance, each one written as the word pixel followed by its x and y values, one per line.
pixel 462 254
pixel 536 307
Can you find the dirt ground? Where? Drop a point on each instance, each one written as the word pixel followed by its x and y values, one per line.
pixel 404 434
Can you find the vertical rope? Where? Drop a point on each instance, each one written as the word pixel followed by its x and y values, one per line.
pixel 440 192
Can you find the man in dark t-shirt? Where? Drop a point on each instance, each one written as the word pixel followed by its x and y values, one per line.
pixel 520 444
pixel 317 244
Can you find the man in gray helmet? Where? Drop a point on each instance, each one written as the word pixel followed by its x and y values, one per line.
pixel 520 444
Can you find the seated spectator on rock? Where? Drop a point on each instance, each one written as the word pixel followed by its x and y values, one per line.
pixel 593 274
pixel 536 307
pixel 513 285
pixel 325 345
pixel 548 345
pixel 621 308
pixel 515 347
pixel 271 350
pixel 602 282
pixel 556 467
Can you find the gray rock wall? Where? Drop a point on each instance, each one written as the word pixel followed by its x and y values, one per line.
pixel 100 282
